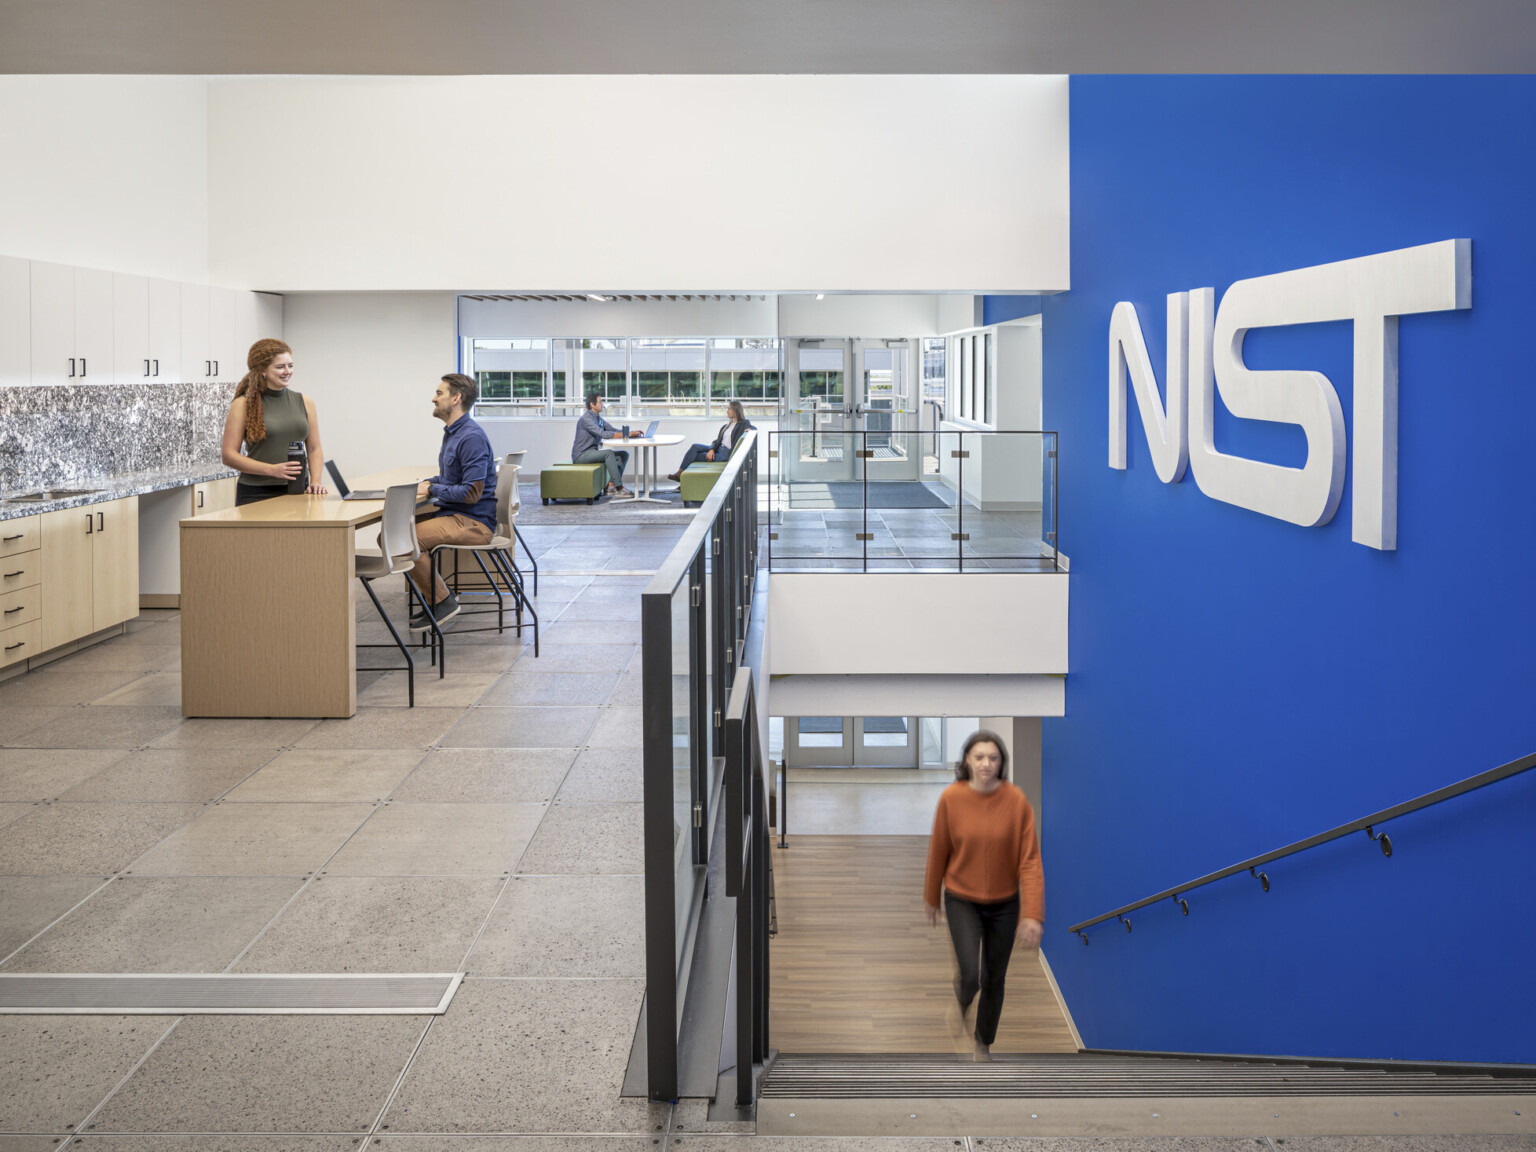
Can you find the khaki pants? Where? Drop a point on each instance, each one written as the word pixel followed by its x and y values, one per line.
pixel 451 529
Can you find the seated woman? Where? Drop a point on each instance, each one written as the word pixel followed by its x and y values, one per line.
pixel 721 448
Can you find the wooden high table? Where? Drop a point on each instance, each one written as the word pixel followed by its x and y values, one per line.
pixel 268 604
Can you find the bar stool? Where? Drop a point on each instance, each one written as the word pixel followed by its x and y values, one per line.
pixel 515 461
pixel 507 578
pixel 396 554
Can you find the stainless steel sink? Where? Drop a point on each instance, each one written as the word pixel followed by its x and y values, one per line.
pixel 50 494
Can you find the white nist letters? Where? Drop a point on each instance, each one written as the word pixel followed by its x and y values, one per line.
pixel 1371 291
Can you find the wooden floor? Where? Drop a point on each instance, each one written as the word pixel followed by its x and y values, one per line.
pixel 855 967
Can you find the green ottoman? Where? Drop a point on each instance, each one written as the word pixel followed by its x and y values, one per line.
pixel 698 479
pixel 572 482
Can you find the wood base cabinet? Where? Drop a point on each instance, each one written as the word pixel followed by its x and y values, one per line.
pixel 90 569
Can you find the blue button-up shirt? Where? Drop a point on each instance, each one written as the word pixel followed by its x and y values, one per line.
pixel 466 473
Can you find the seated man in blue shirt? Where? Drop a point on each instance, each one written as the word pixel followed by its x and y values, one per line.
pixel 464 490
pixel 587 448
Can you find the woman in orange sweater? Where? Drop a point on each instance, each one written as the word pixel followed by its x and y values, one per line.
pixel 985 853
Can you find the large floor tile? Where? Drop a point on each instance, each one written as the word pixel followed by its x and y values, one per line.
pixel 17 721
pixel 487 775
pixel 570 1039
pixel 439 840
pixel 14 811
pixel 126 727
pixel 153 629
pixel 159 924
pixel 266 1074
pixel 719 1142
pixel 574 631
pixel 122 655
pixel 321 774
pixel 55 1069
pixel 376 924
pixel 86 838
pixel 151 688
pixel 202 732
pixel 28 904
pixel 384 728
pixel 393 1143
pixel 567 926
pixel 522 728
pixel 551 689
pixel 32 774
pixel 190 775
pixel 630 690
pixel 607 658
pixel 616 728
pixel 482 657
pixel 61 686
pixel 255 840
pixel 36 1144
pixel 458 689
pixel 605 776
pixel 588 839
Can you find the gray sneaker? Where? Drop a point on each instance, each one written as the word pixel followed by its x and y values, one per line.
pixel 443 611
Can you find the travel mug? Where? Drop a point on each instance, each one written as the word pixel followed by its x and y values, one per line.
pixel 296 453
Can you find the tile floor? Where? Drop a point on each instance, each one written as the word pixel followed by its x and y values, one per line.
pixel 494 828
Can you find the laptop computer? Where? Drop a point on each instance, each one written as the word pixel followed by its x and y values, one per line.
pixel 347 493
pixel 650 429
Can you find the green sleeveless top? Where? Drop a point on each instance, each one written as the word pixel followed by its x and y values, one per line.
pixel 286 422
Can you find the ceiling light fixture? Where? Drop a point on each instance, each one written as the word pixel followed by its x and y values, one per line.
pixel 595 298
pixel 820 295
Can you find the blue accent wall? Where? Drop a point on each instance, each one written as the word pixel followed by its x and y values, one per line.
pixel 1238 683
pixel 996 309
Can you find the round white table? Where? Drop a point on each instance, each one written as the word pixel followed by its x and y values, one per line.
pixel 645 467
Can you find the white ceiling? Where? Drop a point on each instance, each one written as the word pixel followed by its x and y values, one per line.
pixel 490 37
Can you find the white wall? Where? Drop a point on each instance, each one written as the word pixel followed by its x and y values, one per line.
pixel 372 361
pixel 941 624
pixel 746 183
pixel 916 694
pixel 108 172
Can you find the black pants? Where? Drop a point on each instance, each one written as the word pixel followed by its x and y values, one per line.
pixel 983 938
pixel 699 451
pixel 250 493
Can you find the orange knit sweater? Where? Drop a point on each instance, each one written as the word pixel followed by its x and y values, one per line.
pixel 984 848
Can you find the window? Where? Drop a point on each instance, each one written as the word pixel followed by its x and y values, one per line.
pixel 933 350
pixel 821 375
pixel 510 371
pixel 605 369
pixel 669 374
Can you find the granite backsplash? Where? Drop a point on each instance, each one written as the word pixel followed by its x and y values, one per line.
pixel 65 435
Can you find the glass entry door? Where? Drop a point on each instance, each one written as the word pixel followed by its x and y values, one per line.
pixel 851 741
pixel 884 410
pixel 818 407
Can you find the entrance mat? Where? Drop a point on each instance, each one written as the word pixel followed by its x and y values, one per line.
pixel 160 994
pixel 850 494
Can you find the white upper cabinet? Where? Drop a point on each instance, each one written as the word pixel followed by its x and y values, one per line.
pixel 130 330
pixel 53 324
pixel 15 321
pixel 165 331
pixel 228 361
pixel 93 326
pixel 196 360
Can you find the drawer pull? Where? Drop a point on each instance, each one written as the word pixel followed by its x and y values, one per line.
pixel 13 647
pixel 13 575
pixel 8 539
pixel 18 608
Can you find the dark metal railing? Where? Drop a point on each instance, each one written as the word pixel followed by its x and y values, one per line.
pixel 748 871
pixel 693 625
pixel 1367 824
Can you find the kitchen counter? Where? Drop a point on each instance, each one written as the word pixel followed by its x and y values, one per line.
pixel 115 488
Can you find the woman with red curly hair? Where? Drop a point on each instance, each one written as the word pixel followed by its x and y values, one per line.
pixel 266 416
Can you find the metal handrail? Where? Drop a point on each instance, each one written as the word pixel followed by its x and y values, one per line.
pixel 1366 824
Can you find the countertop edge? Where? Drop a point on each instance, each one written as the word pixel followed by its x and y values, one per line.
pixel 120 488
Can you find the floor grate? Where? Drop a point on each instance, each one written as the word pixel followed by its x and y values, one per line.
pixel 844 1077
pixel 174 994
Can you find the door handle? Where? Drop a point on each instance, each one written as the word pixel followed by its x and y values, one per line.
pixel 101 521
pixel 215 367
pixel 82 366
pixel 90 524
pixel 71 367
pixel 157 367
pixel 146 367
pixel 207 367
pixel 199 497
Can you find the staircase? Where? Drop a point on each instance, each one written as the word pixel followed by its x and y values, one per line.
pixel 1093 1095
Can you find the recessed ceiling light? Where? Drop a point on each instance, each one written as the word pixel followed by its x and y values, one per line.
pixel 820 295
pixel 593 296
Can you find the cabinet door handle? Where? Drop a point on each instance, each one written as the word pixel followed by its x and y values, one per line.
pixel 82 366
pixel 101 521
pixel 157 367
pixel 71 367
pixel 146 367
pixel 13 647
pixel 207 367
pixel 18 608
pixel 8 539
pixel 19 571
pixel 199 497
pixel 90 523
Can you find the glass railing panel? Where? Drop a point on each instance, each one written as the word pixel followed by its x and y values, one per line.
pixel 1004 501
pixel 686 659
pixel 815 510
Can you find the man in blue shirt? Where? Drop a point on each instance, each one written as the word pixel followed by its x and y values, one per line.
pixel 464 490
pixel 587 448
